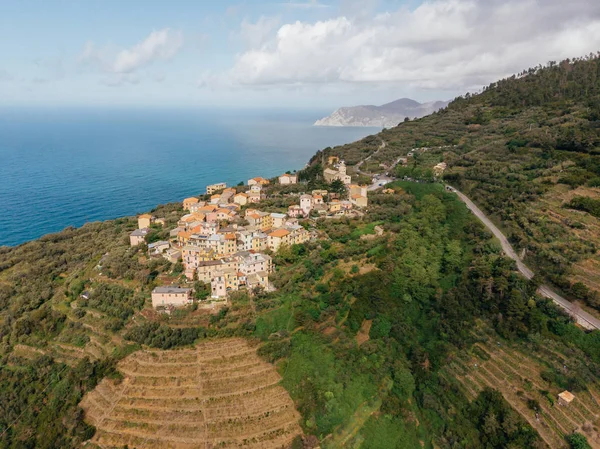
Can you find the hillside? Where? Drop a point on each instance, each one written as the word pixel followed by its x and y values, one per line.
pixel 404 326
pixel 526 151
pixel 384 116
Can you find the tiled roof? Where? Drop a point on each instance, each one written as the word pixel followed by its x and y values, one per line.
pixel 170 290
pixel 279 233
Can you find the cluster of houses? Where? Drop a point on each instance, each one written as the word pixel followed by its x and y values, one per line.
pixel 336 171
pixel 324 203
pixel 144 222
pixel 216 248
pixel 224 240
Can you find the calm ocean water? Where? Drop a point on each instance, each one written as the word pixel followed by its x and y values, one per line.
pixel 62 168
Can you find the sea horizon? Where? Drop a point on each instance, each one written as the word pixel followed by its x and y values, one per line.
pixel 68 166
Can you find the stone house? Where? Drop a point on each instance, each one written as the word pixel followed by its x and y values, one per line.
pixel 331 174
pixel 171 296
pixel 137 236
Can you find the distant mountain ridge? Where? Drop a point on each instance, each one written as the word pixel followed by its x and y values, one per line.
pixel 384 116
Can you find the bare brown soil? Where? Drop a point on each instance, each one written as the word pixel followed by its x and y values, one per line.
pixel 218 394
pixel 363 333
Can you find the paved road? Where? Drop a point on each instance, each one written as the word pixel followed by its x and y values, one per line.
pixel 583 318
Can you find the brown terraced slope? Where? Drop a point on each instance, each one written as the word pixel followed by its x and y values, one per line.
pixel 218 394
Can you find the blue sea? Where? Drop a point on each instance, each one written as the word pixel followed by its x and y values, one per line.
pixel 66 167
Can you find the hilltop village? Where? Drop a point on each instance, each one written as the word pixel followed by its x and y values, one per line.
pixel 225 239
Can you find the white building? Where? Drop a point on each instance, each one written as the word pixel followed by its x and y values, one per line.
pixel 158 247
pixel 286 179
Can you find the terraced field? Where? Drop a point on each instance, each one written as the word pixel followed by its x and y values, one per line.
pixel 517 376
pixel 219 394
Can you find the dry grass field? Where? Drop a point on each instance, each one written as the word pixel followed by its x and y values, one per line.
pixel 218 394
pixel 518 377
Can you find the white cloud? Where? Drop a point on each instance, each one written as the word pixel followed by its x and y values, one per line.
pixel 441 44
pixel 256 34
pixel 160 45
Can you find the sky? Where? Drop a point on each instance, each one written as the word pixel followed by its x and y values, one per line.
pixel 286 53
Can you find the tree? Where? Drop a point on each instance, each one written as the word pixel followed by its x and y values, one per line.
pixel 452 256
pixel 201 290
pixel 337 186
pixel 404 382
pixel 577 441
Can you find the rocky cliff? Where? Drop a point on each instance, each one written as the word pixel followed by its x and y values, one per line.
pixel 384 116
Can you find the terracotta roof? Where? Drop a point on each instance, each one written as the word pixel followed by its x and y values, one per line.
pixel 230 236
pixel 191 199
pixel 145 216
pixel 185 234
pixel 356 196
pixel 208 208
pixel 196 229
pixel 279 233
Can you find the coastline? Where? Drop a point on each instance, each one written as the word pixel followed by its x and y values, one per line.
pixel 105 165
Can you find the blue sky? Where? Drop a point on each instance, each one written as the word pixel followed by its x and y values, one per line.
pixel 303 53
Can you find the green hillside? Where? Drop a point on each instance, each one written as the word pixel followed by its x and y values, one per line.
pixel 526 151
pixel 419 335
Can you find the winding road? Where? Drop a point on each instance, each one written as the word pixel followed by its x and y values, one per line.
pixel 357 166
pixel 583 318
pixel 379 180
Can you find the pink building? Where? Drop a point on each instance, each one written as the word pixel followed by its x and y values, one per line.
pixel 306 204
